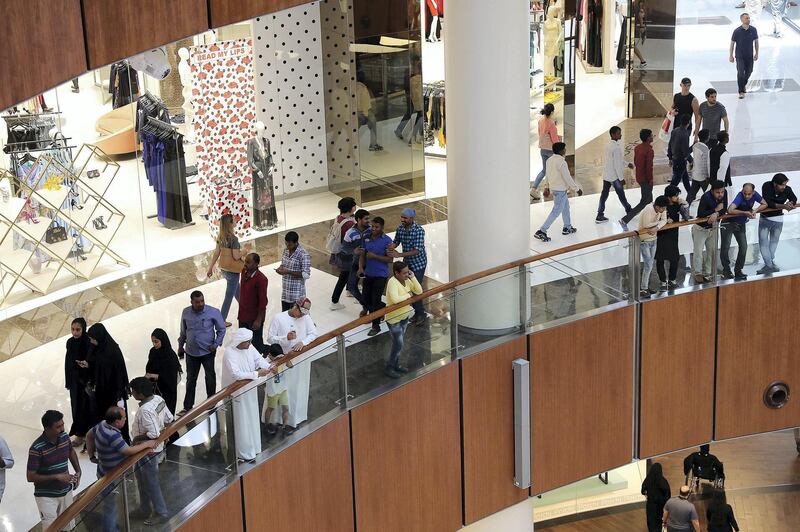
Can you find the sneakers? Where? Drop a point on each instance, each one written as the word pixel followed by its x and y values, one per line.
pixel 727 274
pixel 672 284
pixel 700 279
pixel 568 231
pixel 644 294
pixel 664 287
pixel 336 306
pixel 373 331
pixel 375 147
pixel 741 95
pixel 766 270
pixel 272 428
pixel 600 219
pixel 541 235
pixel 740 276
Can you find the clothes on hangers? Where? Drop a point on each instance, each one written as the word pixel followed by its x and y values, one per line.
pixel 124 84
pixel 434 106
pixel 259 160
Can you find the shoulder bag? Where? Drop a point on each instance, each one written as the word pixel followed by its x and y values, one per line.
pixel 227 261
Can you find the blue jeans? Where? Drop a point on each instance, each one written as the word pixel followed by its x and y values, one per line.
pixel 619 189
pixel 648 250
pixel 769 232
pixel 110 507
pixel 419 307
pixel 398 330
pixel 560 206
pixel 546 154
pixel 150 496
pixel 680 174
pixel 231 291
pixel 352 285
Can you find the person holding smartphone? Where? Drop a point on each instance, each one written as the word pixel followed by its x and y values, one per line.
pixel 402 286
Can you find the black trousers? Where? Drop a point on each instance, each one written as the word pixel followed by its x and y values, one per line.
pixel 341 282
pixel 673 267
pixel 744 67
pixel 655 512
pixel 735 230
pixel 647 199
pixel 694 189
pixel 373 295
pixel 258 335
pixel 193 371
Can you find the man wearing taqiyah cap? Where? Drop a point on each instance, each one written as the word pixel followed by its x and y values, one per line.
pixel 243 362
pixel 411 237
pixel 289 332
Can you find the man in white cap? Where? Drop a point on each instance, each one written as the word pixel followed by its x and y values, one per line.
pixel 243 362
pixel 411 237
pixel 289 332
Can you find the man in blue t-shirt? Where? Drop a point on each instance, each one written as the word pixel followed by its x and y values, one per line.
pixel 744 51
pixel 742 206
pixel 374 266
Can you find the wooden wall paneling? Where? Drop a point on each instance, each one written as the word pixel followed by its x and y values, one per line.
pixel 757 345
pixel 581 398
pixel 310 484
pixel 487 406
pixel 677 376
pixel 120 29
pixel 42 44
pixel 224 12
pixel 223 512
pixel 374 18
pixel 407 457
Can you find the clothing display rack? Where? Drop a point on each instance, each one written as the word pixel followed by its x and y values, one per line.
pixel 589 33
pixel 58 219
pixel 434 112
pixel 164 162
pixel 123 84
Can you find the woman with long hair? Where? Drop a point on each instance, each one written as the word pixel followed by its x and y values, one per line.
pixel 656 488
pixel 110 374
pixel 720 514
pixel 548 135
pixel 231 260
pixel 164 368
pixel 77 376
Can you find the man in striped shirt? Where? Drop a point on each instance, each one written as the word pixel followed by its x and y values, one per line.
pixel 48 470
pixel 108 449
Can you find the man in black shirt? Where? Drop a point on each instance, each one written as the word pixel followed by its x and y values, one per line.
pixel 745 43
pixel 678 152
pixel 712 205
pixel 778 195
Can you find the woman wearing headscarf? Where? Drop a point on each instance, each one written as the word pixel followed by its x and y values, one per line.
pixel 720 514
pixel 110 374
pixel 656 488
pixel 77 375
pixel 164 368
pixel 243 362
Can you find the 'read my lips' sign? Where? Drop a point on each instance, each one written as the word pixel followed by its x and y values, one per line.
pixel 224 119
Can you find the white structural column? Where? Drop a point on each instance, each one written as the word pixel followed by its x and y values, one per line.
pixel 488 155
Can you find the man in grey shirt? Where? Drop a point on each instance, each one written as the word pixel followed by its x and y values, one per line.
pixel 711 114
pixel 680 514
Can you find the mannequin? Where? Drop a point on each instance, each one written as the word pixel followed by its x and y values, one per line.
pixel 185 72
pixel 433 12
pixel 259 159
pixel 553 40
pixel 778 8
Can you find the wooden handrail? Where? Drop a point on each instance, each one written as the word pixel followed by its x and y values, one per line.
pixel 82 500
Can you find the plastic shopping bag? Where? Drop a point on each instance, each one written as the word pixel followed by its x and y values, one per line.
pixel 666 126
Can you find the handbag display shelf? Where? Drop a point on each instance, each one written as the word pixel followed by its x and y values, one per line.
pixel 33 222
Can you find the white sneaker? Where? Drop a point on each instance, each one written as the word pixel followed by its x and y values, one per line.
pixel 336 306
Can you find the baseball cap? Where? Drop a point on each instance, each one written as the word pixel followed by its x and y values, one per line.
pixel 686 81
pixel 408 212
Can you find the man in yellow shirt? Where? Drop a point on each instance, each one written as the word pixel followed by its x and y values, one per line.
pixel 401 286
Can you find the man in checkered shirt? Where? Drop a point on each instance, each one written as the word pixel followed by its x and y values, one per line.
pixel 295 268
pixel 411 237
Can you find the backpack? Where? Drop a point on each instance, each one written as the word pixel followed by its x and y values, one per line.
pixel 333 242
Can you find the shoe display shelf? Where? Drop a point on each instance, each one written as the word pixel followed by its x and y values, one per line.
pixel 72 198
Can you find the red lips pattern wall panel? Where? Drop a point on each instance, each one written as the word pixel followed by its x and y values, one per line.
pixel 224 105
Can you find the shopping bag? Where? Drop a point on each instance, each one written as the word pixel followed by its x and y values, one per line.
pixel 666 126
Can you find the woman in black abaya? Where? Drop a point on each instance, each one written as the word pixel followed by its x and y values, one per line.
pixel 110 373
pixel 77 375
pixel 164 368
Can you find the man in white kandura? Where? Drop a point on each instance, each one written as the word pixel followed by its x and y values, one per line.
pixel 289 332
pixel 243 362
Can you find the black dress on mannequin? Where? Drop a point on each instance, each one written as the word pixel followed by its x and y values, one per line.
pixel 259 159
pixel 594 33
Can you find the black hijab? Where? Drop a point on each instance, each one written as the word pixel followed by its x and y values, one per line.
pixel 655 486
pixel 110 373
pixel 77 349
pixel 163 361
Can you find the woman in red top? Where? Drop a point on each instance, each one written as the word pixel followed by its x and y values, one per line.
pixel 548 135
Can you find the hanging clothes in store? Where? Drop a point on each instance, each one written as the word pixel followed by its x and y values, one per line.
pixel 164 162
pixel 594 33
pixel 434 105
pixel 623 44
pixel 124 84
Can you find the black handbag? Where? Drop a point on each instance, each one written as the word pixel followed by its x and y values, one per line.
pixel 55 233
